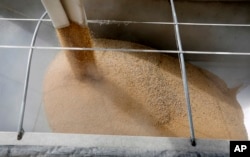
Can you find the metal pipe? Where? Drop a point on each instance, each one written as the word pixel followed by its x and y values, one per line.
pixel 24 19
pixel 26 83
pixel 183 73
pixel 136 22
pixel 126 50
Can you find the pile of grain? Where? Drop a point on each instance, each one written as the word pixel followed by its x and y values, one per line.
pixel 122 93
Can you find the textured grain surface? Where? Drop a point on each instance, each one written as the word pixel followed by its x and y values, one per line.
pixel 138 94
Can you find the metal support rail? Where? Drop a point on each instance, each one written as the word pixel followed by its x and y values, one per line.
pixel 125 50
pixel 183 73
pixel 20 130
pixel 107 22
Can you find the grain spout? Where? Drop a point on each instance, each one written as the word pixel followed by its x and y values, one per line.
pixel 82 61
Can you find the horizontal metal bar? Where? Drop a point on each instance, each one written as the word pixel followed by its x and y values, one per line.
pixel 218 53
pixel 123 50
pixel 107 22
pixel 25 19
pixel 166 23
pixel 86 49
pixel 215 24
